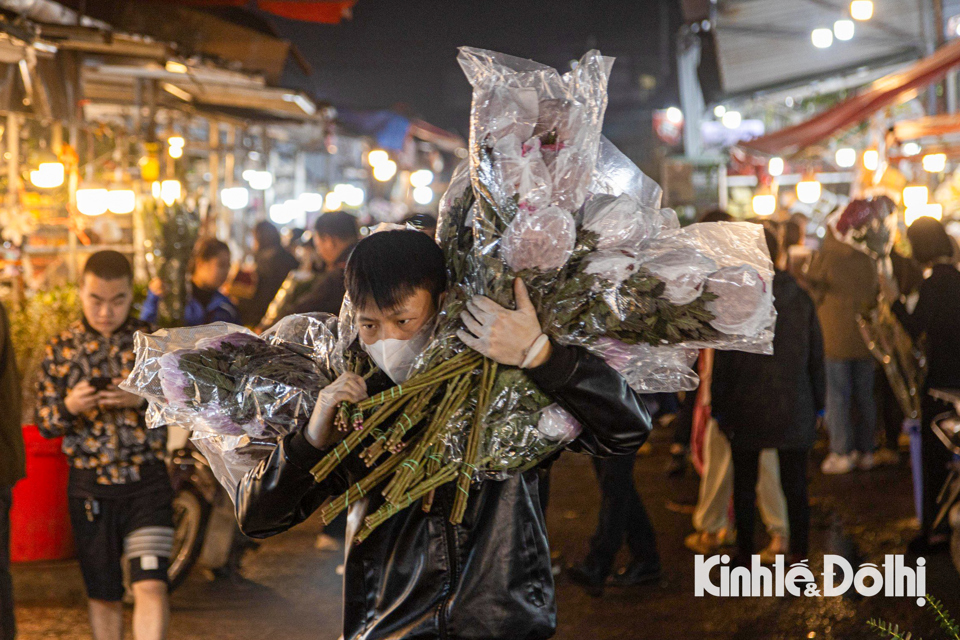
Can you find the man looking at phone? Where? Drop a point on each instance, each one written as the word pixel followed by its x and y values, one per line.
pixel 119 491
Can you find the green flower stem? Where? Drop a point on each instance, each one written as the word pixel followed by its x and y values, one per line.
pixel 469 465
pixel 388 510
pixel 358 490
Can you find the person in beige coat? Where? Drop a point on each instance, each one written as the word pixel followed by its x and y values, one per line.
pixel 843 283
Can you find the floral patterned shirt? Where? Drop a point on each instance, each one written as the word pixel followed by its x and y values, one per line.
pixel 116 443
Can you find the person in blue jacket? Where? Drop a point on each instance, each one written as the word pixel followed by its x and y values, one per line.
pixel 210 268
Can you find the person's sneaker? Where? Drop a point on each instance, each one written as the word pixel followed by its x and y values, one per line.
pixel 703 542
pixel 779 545
pixel 638 572
pixel 835 464
pixel 866 462
pixel 588 577
pixel 886 457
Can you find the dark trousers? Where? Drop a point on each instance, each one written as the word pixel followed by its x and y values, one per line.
pixel 936 460
pixel 622 515
pixel 8 628
pixel 793 478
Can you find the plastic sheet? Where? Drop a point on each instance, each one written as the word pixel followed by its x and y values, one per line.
pixel 224 380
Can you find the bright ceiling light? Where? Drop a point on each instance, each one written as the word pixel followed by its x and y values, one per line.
pixel 775 167
pixel 258 180
pixel 235 198
pixel 282 213
pixel 934 162
pixel 170 191
pixel 808 191
pixel 843 29
pixel 121 201
pixel 732 119
pixel 719 110
pixel 332 201
pixel 385 170
pixel 176 141
pixel 377 157
pixel 92 202
pixel 176 67
pixel 910 149
pixel 915 196
pixel 423 195
pixel 49 175
pixel 421 178
pixel 674 115
pixel 765 204
pixel 846 157
pixel 175 152
pixel 312 202
pixel 354 197
pixel 821 38
pixel 871 159
pixel 912 214
pixel 861 9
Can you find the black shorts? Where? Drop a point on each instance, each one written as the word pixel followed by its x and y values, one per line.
pixel 139 526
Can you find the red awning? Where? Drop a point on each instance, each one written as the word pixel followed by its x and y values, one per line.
pixel 323 11
pixel 868 101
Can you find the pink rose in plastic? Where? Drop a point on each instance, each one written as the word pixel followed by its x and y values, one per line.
pixel 541 240
pixel 507 110
pixel 522 171
pixel 572 171
pixel 560 122
pixel 683 271
pixel 744 303
pixel 614 266
pixel 621 222
pixel 558 425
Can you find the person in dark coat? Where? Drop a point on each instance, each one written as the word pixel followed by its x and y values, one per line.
pixel 12 467
pixel 273 263
pixel 418 575
pixel 335 235
pixel 936 319
pixel 772 402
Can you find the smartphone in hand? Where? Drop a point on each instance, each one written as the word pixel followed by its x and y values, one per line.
pixel 101 383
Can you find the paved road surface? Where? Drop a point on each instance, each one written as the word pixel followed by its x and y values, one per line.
pixel 295 591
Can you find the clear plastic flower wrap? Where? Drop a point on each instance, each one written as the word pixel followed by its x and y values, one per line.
pixel 225 380
pixel 607 268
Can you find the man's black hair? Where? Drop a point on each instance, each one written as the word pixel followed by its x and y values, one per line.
pixel 387 267
pixel 716 215
pixel 773 244
pixel 337 224
pixel 266 235
pixel 108 265
pixel 929 240
pixel 421 221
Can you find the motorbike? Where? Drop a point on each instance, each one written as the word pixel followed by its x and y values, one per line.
pixel 195 492
pixel 947 428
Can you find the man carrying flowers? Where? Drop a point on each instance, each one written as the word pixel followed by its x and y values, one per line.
pixel 418 575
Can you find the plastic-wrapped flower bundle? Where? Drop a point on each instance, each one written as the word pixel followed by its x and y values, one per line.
pixel 545 198
pixel 607 269
pixel 236 391
pixel 867 225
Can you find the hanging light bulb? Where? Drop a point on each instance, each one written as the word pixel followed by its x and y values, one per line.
pixel 312 202
pixel 385 170
pixel 49 175
pixel 926 210
pixel 170 191
pixel 377 157
pixel 235 198
pixel 421 178
pixel 915 196
pixel 92 202
pixel 934 162
pixel 843 29
pixel 871 159
pixel 808 191
pixel 821 38
pixel 764 204
pixel 775 167
pixel 423 195
pixel 731 119
pixel 861 9
pixel 846 157
pixel 121 201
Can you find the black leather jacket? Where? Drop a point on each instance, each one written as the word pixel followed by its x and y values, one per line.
pixel 418 576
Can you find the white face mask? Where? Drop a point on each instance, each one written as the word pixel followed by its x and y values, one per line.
pixel 396 358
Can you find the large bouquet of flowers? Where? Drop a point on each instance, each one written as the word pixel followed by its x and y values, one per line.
pixel 867 225
pixel 543 197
